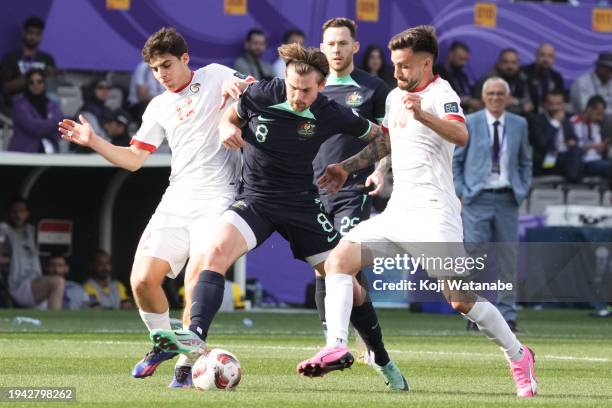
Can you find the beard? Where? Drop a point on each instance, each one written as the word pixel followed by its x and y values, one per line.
pixel 344 65
pixel 299 106
pixel 407 85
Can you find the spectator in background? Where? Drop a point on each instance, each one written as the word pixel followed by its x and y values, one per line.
pixel 374 63
pixel 35 117
pixel 293 36
pixel 143 87
pixel 17 63
pixel 553 140
pixel 597 82
pixel 507 67
pixel 594 146
pixel 541 77
pixel 75 297
pixel 94 108
pixel 250 63
pixel 5 262
pixel 27 285
pixel 492 176
pixel 116 128
pixel 105 292
pixel 453 71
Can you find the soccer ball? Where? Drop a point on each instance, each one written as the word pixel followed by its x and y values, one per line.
pixel 216 370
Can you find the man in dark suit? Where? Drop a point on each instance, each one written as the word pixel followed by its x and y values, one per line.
pixel 507 67
pixel 541 77
pixel 492 175
pixel 453 70
pixel 553 139
pixel 250 63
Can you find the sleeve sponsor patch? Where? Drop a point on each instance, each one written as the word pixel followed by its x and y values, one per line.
pixel 451 107
pixel 240 75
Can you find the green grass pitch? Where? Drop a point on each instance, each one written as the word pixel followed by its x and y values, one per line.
pixel 94 351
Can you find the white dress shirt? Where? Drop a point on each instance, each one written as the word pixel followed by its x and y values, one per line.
pixel 498 180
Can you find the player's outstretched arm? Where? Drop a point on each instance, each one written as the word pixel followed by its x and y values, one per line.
pixel 130 158
pixel 233 88
pixel 229 129
pixel 336 174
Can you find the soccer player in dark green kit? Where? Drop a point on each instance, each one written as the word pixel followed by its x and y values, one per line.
pixel 280 125
pixel 366 95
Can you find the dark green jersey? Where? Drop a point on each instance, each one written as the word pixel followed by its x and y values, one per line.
pixel 281 144
pixel 366 95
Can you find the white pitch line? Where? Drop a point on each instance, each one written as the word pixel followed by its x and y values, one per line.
pixel 305 348
pixel 440 353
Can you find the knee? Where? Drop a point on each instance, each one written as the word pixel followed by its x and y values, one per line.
pixel 142 283
pixel 463 307
pixel 336 263
pixel 57 282
pixel 217 259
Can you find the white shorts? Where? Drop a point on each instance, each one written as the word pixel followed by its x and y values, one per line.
pixel 417 232
pixel 24 297
pixel 174 238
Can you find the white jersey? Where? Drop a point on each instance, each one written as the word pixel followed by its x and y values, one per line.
pixel 422 159
pixel 189 118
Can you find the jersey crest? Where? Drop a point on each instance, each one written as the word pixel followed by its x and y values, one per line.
pixel 354 99
pixel 306 130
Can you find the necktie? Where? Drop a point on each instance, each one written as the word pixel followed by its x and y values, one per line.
pixel 589 132
pixel 496 147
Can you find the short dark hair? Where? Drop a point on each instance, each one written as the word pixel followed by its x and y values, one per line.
pixel 15 200
pixel 505 51
pixel 341 22
pixel 555 92
pixel 596 100
pixel 289 33
pixel 34 71
pixel 304 60
pixel 165 41
pixel 418 39
pixel 455 45
pixel 252 32
pixel 35 22
pixel 54 255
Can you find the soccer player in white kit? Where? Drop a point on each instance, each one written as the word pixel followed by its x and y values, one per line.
pixel 202 184
pixel 424 121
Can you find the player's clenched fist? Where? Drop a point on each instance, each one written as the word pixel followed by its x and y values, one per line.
pixel 231 136
pixel 412 102
pixel 377 179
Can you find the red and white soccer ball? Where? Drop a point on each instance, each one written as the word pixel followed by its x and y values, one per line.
pixel 216 370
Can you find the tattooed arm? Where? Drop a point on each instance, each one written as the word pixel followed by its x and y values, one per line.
pixel 378 148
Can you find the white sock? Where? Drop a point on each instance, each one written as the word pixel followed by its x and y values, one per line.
pixel 156 320
pixel 338 305
pixel 493 325
pixel 184 360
